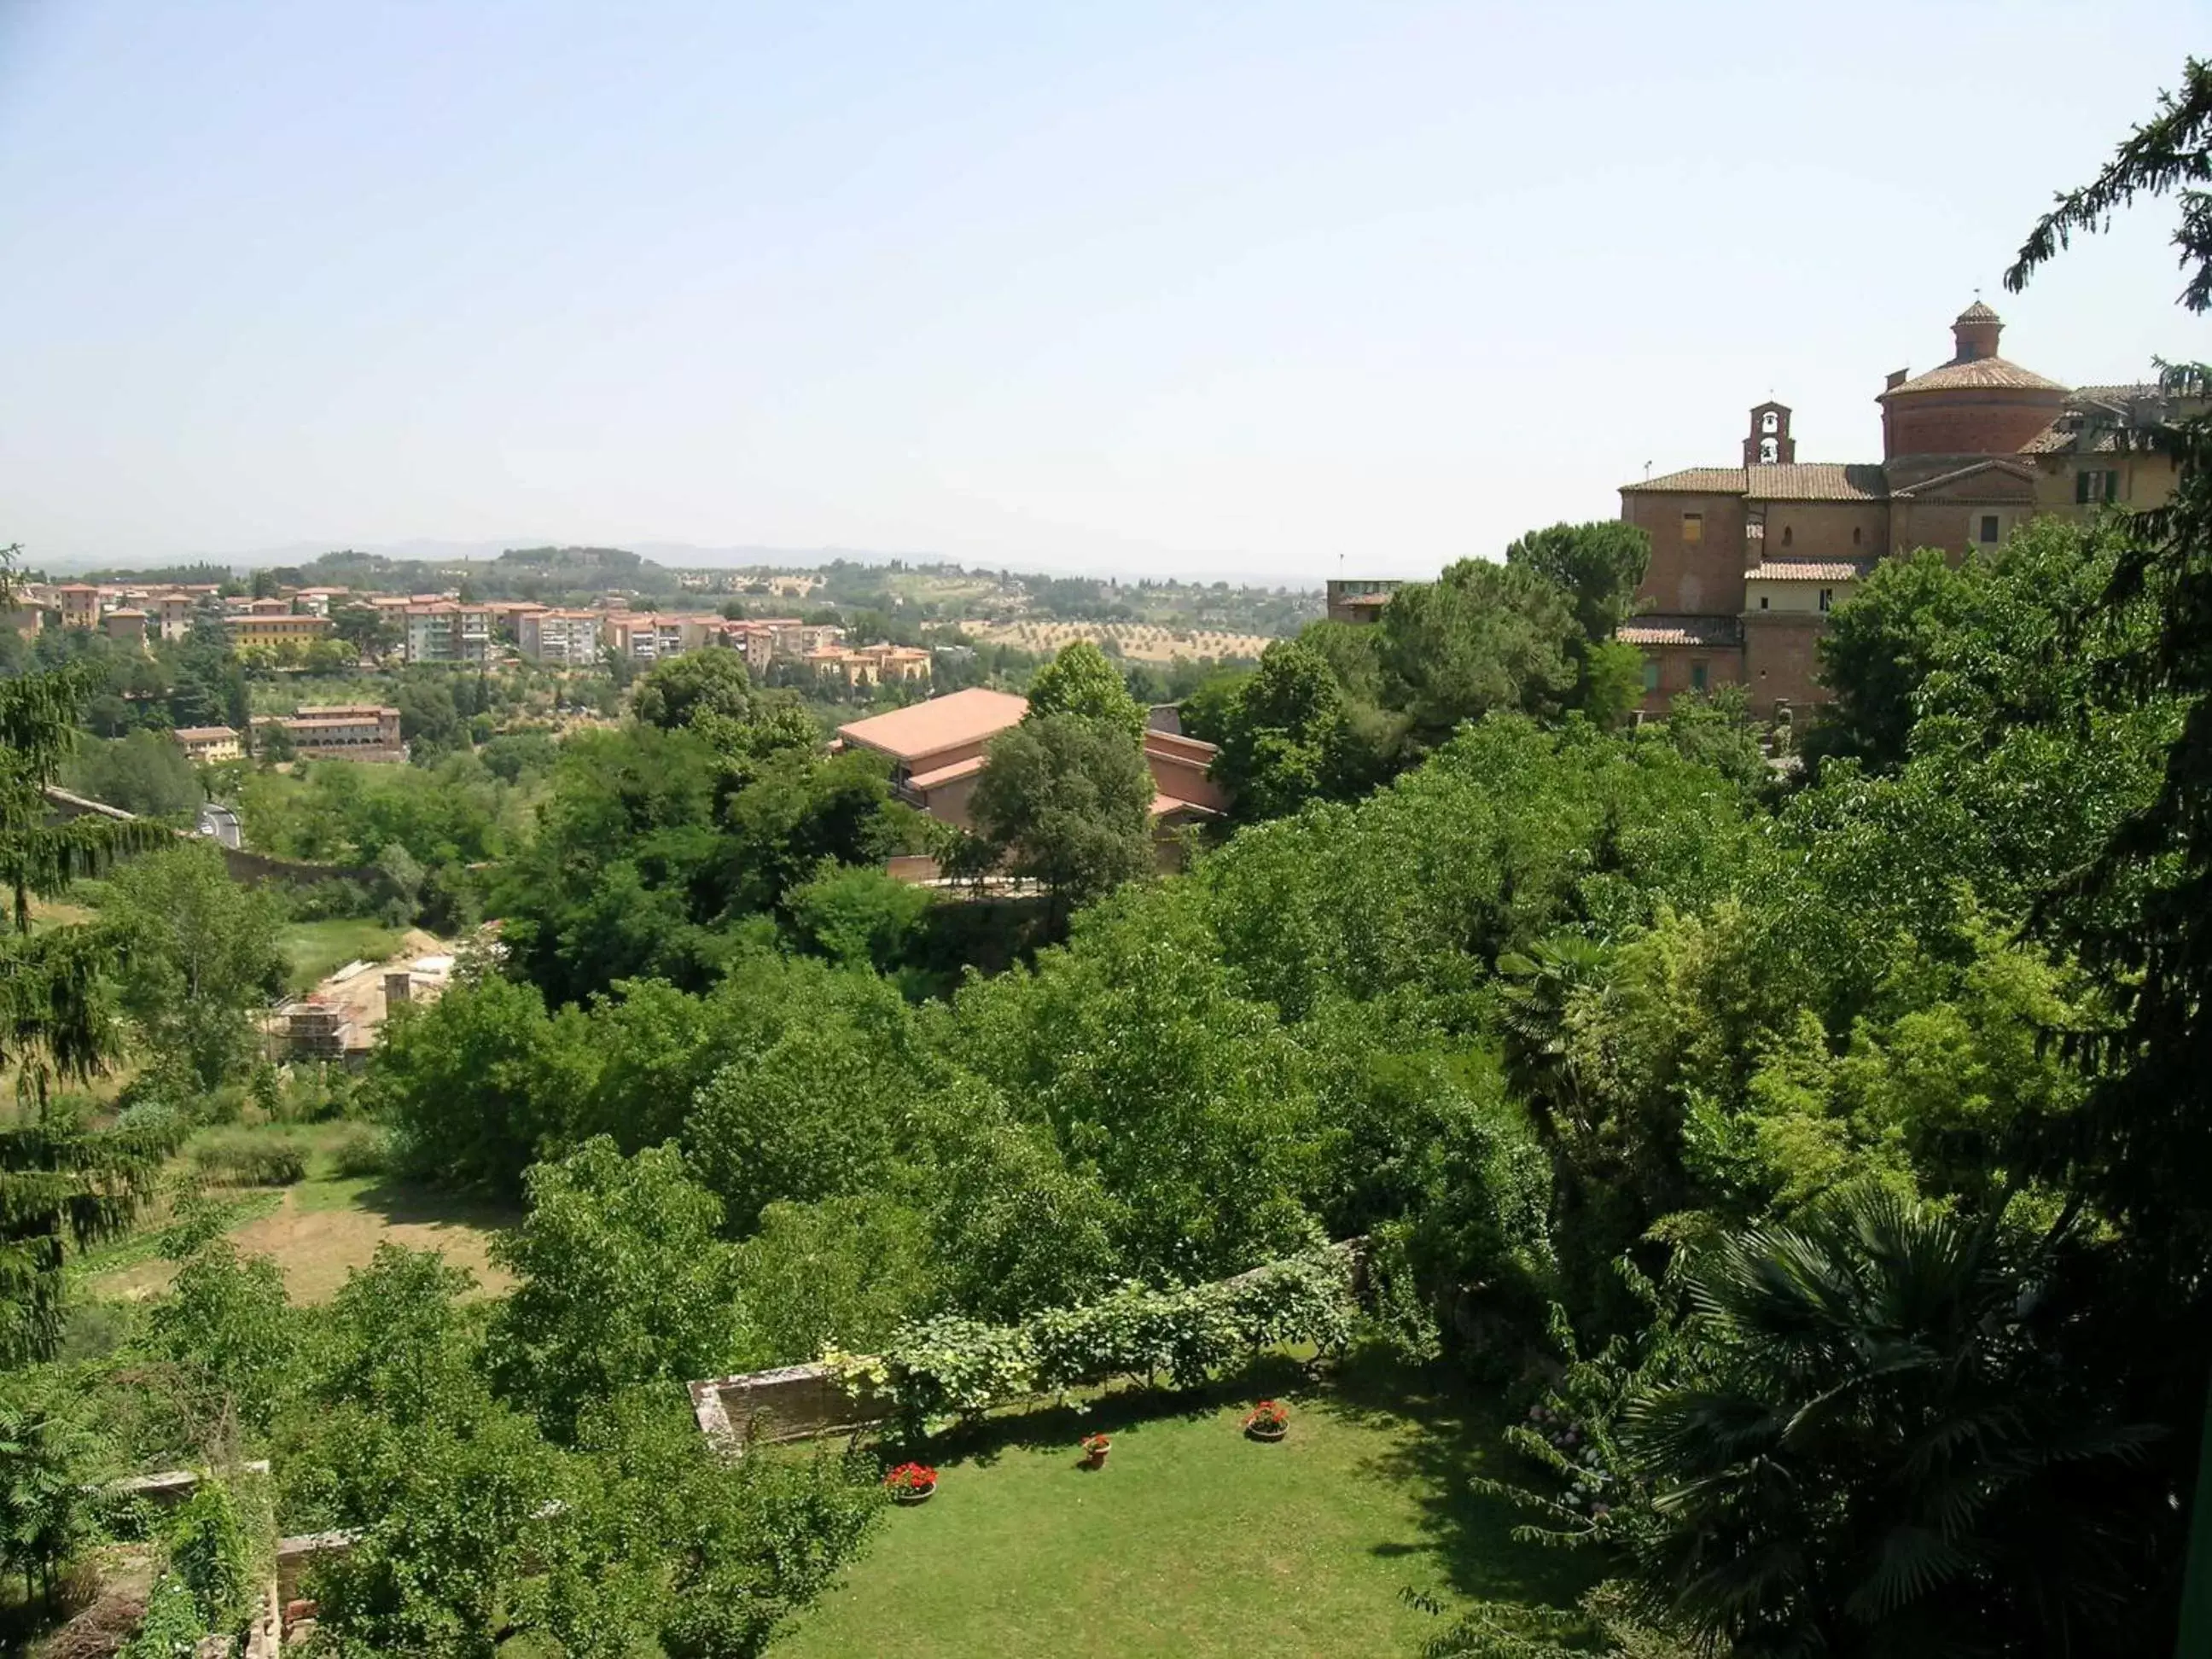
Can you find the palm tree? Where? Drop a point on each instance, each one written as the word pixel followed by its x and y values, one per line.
pixel 1878 1453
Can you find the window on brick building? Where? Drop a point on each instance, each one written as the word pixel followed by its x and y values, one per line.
pixel 1827 597
pixel 1768 451
pixel 1697 677
pixel 1857 530
pixel 1770 422
pixel 1651 675
pixel 1987 531
pixel 1762 602
pixel 1785 535
pixel 1693 526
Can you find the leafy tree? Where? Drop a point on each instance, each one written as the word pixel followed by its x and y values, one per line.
pixel 1597 565
pixel 1714 728
pixel 1016 1230
pixel 203 958
pixel 1611 683
pixel 842 1272
pixel 1081 682
pixel 623 1281
pixel 1289 738
pixel 144 772
pixel 225 1331
pixel 1481 637
pixel 463 1083
pixel 712 681
pixel 859 918
pixel 1068 802
pixel 1879 648
pixel 811 1118
pixel 1872 1451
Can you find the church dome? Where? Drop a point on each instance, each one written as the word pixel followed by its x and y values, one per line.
pixel 1977 404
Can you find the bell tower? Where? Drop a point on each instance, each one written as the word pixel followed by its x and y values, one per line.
pixel 1769 443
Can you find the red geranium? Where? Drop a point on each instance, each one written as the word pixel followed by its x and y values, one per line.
pixel 911 1477
pixel 1269 1414
pixel 1095 1443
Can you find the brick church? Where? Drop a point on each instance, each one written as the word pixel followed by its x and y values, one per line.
pixel 1747 561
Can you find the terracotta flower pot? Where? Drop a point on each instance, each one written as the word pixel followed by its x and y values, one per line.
pixel 1097 1459
pixel 1268 1432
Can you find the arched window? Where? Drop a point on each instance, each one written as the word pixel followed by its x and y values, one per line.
pixel 1768 450
pixel 1785 535
pixel 1856 532
pixel 1770 422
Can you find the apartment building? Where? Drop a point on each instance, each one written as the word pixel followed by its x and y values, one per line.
pixel 566 638
pixel 447 630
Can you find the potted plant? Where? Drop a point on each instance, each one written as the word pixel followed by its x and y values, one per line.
pixel 1268 1421
pixel 1095 1448
pixel 911 1483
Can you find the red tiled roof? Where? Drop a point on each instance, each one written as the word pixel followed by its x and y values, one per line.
pixel 1680 631
pixel 1978 373
pixel 1776 481
pixel 202 733
pixel 1806 570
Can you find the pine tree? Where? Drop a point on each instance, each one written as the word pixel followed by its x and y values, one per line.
pixel 59 1181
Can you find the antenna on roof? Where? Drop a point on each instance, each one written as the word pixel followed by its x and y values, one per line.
pixel 1647 472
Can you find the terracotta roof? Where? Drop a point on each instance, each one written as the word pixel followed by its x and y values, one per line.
pixel 1816 481
pixel 1976 313
pixel 1164 803
pixel 2018 474
pixel 1806 570
pixel 1777 481
pixel 944 775
pixel 1979 374
pixel 1681 630
pixel 201 734
pixel 1695 480
pixel 930 728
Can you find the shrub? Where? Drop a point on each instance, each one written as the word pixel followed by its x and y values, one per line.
pixel 361 1150
pixel 248 1160
pixel 208 1551
pixel 171 1628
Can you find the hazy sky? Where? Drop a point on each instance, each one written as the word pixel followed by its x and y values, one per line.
pixel 1218 289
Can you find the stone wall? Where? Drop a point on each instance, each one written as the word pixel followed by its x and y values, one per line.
pixel 791 1403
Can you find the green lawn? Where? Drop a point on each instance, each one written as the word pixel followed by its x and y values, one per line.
pixel 314 949
pixel 1194 1541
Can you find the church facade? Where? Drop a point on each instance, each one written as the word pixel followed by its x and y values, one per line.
pixel 1749 561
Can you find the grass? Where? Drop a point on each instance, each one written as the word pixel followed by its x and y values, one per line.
pixel 315 949
pixel 1195 1541
pixel 317 1231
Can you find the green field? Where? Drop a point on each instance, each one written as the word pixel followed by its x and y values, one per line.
pixel 313 948
pixel 1194 1541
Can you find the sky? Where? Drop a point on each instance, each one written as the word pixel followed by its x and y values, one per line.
pixel 1264 292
